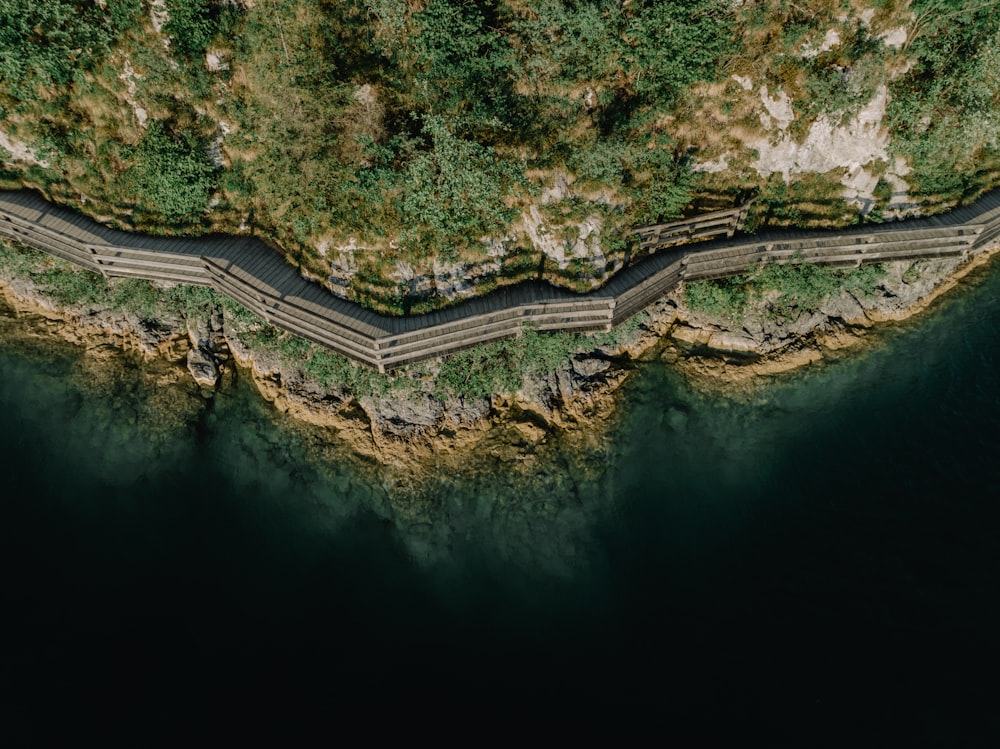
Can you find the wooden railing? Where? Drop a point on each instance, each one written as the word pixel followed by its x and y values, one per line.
pixel 695 229
pixel 249 271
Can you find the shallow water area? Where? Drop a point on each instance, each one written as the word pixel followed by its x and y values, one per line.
pixel 812 560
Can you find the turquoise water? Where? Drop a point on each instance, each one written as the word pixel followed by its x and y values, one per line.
pixel 811 563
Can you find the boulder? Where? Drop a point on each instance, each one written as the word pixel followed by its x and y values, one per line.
pixel 845 307
pixel 403 414
pixel 588 367
pixel 467 410
pixel 202 367
pixel 199 332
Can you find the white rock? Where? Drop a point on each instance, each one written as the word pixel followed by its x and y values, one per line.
pixel 894 38
pixel 850 146
pixel 129 76
pixel 715 165
pixel 20 151
pixel 831 40
pixel 215 63
pixel 746 82
pixel 558 190
pixel 779 109
pixel 158 14
pixel 364 94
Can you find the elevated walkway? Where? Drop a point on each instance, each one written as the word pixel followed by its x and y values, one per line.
pixel 252 273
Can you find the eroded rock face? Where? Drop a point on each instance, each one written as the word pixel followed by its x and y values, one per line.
pixel 403 414
pixel 467 411
pixel 588 367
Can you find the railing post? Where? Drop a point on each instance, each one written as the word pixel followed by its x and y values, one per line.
pixel 97 261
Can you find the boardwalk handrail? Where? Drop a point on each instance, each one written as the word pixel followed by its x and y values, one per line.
pixel 703 226
pixel 252 273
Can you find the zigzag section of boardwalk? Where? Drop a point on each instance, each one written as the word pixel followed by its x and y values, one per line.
pixel 253 274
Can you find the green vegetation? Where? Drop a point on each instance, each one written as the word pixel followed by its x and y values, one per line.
pixel 63 281
pixel 70 285
pixel 172 175
pixel 840 82
pixel 725 297
pixel 391 137
pixel 193 24
pixel 946 110
pixel 413 127
pixel 501 366
pixel 453 192
pixel 801 287
pixel 45 45
pixel 410 131
pixel 785 290
pixel 804 200
pixel 330 369
pixel 497 368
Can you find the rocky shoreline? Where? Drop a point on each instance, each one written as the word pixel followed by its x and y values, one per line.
pixel 413 429
pixel 714 356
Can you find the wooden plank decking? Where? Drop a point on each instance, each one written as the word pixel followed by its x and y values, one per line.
pixel 254 274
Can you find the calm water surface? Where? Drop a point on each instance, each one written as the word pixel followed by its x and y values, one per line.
pixel 815 563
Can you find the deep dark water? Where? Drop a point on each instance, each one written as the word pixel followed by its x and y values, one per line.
pixel 813 564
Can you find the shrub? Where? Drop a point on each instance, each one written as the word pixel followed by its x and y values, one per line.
pixel 463 67
pixel 192 24
pixel 171 174
pixel 135 295
pixel 676 44
pixel 193 300
pixel 659 183
pixel 943 112
pixel 499 367
pixel 726 297
pixel 45 44
pixel 68 285
pixel 484 370
pixel 790 289
pixel 331 370
pixel 841 82
pixel 801 287
pixel 453 193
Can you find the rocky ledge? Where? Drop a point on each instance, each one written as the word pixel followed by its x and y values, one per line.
pixel 413 427
pixel 716 351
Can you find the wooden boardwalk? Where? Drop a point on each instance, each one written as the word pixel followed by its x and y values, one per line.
pixel 252 273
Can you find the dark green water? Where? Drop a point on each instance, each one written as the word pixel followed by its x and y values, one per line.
pixel 813 564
